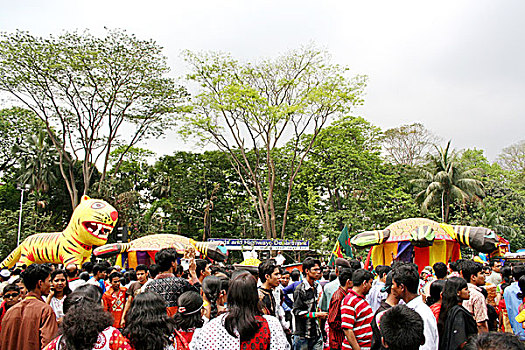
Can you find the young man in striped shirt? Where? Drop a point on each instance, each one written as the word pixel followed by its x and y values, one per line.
pixel 356 313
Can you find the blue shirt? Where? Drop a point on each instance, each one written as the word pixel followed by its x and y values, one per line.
pixel 512 303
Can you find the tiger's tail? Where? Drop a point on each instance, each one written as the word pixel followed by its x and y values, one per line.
pixel 12 258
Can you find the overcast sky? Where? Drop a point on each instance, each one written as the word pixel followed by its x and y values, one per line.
pixel 458 67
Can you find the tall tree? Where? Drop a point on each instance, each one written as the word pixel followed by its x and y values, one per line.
pixel 408 144
pixel 444 183
pixel 243 107
pixel 513 157
pixel 86 89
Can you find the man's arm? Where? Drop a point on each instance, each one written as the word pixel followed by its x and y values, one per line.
pixel 482 327
pixel 350 336
pixel 126 309
pixel 48 328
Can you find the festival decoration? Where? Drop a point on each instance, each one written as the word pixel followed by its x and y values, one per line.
pixel 91 223
pixel 143 249
pixel 425 242
pixel 343 248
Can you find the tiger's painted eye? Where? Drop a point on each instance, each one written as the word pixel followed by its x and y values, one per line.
pixel 97 205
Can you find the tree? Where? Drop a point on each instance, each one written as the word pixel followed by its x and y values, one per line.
pixel 245 107
pixel 15 125
pixel 87 90
pixel 513 157
pixel 408 144
pixel 445 183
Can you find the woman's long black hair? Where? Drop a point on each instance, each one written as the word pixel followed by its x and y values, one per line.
pixel 148 325
pixel 84 319
pixel 450 299
pixel 211 286
pixel 243 306
pixel 189 314
pixel 436 287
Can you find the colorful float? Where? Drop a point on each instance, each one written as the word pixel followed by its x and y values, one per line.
pixel 91 223
pixel 142 250
pixel 425 242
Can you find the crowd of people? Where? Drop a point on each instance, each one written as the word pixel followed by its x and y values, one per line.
pixel 462 305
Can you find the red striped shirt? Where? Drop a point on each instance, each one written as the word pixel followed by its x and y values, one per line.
pixel 356 314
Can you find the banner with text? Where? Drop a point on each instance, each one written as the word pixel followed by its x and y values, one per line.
pixel 262 244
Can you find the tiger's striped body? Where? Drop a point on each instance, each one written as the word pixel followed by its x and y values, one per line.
pixel 90 224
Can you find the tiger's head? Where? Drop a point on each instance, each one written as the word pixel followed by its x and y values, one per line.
pixel 92 221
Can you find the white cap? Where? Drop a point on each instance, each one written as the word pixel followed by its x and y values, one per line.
pixel 5 273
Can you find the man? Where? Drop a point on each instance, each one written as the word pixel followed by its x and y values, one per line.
pixel 31 324
pixel 270 276
pixel 142 277
pixel 99 275
pixel 473 273
pixel 405 283
pixel 279 258
pixel 10 296
pixel 493 341
pixel 376 296
pixel 356 313
pixel 330 288
pixel 512 301
pixel 402 329
pixel 306 297
pixel 202 269
pixel 5 274
pixel 114 299
pixel 336 334
pixel 495 276
pixel 385 305
pixel 166 284
pixel 285 280
pixel 72 277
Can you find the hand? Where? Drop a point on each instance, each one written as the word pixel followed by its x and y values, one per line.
pixel 321 314
pixel 193 265
pixel 122 322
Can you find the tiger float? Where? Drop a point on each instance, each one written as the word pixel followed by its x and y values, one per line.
pixel 91 223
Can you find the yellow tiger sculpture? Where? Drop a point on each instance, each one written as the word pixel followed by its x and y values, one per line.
pixel 91 223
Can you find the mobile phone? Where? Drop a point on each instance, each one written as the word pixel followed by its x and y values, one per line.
pixel 185 264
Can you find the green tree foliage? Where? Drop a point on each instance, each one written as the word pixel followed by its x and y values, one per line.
pixel 85 89
pixel 513 157
pixel 444 183
pixel 256 107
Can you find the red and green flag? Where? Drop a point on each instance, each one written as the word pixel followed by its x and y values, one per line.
pixel 343 248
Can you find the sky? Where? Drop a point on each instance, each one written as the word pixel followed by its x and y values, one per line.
pixel 458 67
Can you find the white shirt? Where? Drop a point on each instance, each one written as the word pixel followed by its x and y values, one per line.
pixel 430 325
pixel 213 336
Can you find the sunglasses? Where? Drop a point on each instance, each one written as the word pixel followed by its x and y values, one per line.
pixel 12 295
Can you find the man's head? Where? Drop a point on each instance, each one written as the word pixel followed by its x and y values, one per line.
pixel 355 264
pixel 402 329
pixel 11 294
pixel 72 271
pixel 405 281
pixel 142 273
pixel 4 275
pixel 37 278
pixel 114 279
pixel 202 268
pixel 362 281
pixel 166 259
pixel 494 341
pixel 312 268
pixel 88 266
pixel 345 277
pixel 473 272
pixel 341 263
pixel 518 271
pixel 270 273
pixel 285 278
pixel 495 265
pixel 382 271
pixel 440 270
pixel 295 275
pixel 99 272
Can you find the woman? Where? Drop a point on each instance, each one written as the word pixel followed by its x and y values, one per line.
pixel 148 326
pixel 434 299
pixel 455 324
pixel 211 292
pixel 188 317
pixel 86 326
pixel 59 291
pixel 243 326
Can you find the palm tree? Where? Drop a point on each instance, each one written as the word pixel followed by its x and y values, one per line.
pixel 446 183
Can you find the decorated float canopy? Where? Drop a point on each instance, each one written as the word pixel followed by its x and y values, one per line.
pixel 425 242
pixel 142 250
